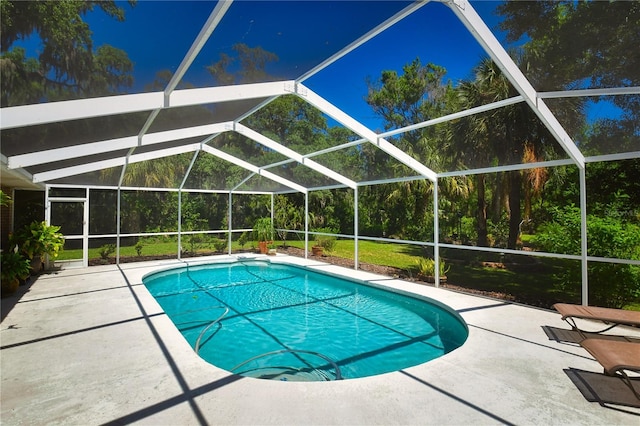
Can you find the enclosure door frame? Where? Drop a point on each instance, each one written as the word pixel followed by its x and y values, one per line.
pixel 84 237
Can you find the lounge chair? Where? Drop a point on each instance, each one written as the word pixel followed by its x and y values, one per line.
pixel 616 357
pixel 613 317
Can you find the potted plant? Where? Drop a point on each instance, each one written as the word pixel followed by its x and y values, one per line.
pixel 263 232
pixel 14 267
pixel 38 240
pixel 427 270
pixel 323 242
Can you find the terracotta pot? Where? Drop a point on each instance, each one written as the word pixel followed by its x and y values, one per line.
pixel 317 250
pixel 263 247
pixel 36 265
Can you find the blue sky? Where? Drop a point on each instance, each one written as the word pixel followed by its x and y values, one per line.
pixel 157 34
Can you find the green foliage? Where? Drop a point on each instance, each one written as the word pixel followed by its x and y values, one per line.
pixel 5 200
pixel 613 285
pixel 38 239
pixel 427 267
pixel 287 217
pixel 67 64
pixel 196 242
pixel 13 266
pixel 263 229
pixel 327 242
pixel 138 247
pixel 106 250
pixel 219 244
pixel 242 240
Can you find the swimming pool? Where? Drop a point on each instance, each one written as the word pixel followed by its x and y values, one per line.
pixel 277 321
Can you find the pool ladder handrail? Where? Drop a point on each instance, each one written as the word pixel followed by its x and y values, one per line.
pixel 204 330
pixel 326 358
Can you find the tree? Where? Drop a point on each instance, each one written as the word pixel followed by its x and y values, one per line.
pixel 249 65
pixel 589 45
pixel 418 94
pixel 68 65
pixel 507 135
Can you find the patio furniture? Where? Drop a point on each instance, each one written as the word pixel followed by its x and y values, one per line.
pixel 610 316
pixel 616 357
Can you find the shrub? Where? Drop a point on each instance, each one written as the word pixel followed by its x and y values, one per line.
pixel 106 250
pixel 242 240
pixel 327 242
pixel 138 247
pixel 427 267
pixel 612 285
pixel 219 244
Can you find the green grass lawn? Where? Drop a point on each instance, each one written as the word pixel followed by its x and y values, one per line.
pixel 534 286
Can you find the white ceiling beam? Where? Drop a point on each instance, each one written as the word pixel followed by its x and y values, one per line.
pixel 114 162
pixel 257 170
pixel 615 91
pixel 455 116
pixel 237 92
pixel 350 123
pixel 472 21
pixel 271 144
pixel 218 12
pixel 76 151
pixel 51 112
pixel 364 38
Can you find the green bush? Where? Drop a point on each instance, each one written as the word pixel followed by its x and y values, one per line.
pixel 327 242
pixel 427 267
pixel 610 284
pixel 219 244
pixel 106 251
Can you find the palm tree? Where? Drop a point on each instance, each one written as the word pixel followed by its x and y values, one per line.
pixel 501 136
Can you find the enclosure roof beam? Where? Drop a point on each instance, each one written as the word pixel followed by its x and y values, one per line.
pixel 257 170
pixel 470 18
pixel 615 91
pixel 76 151
pixel 114 162
pixel 214 19
pixel 352 124
pixel 364 38
pixel 455 116
pixel 271 144
pixel 51 112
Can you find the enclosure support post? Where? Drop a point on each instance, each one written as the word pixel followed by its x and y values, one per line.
pixel 119 205
pixel 436 234
pixel 85 228
pixel 230 219
pixel 356 263
pixel 47 206
pixel 306 225
pixel 583 235
pixel 179 223
pixel 272 217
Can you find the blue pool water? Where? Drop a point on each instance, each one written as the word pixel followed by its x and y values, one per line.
pixel 283 322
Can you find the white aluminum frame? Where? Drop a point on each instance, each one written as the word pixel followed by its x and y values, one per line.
pixel 29 115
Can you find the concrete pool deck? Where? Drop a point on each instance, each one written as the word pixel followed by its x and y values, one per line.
pixel 92 346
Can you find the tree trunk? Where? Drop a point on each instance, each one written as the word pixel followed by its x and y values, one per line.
pixel 515 216
pixel 481 215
